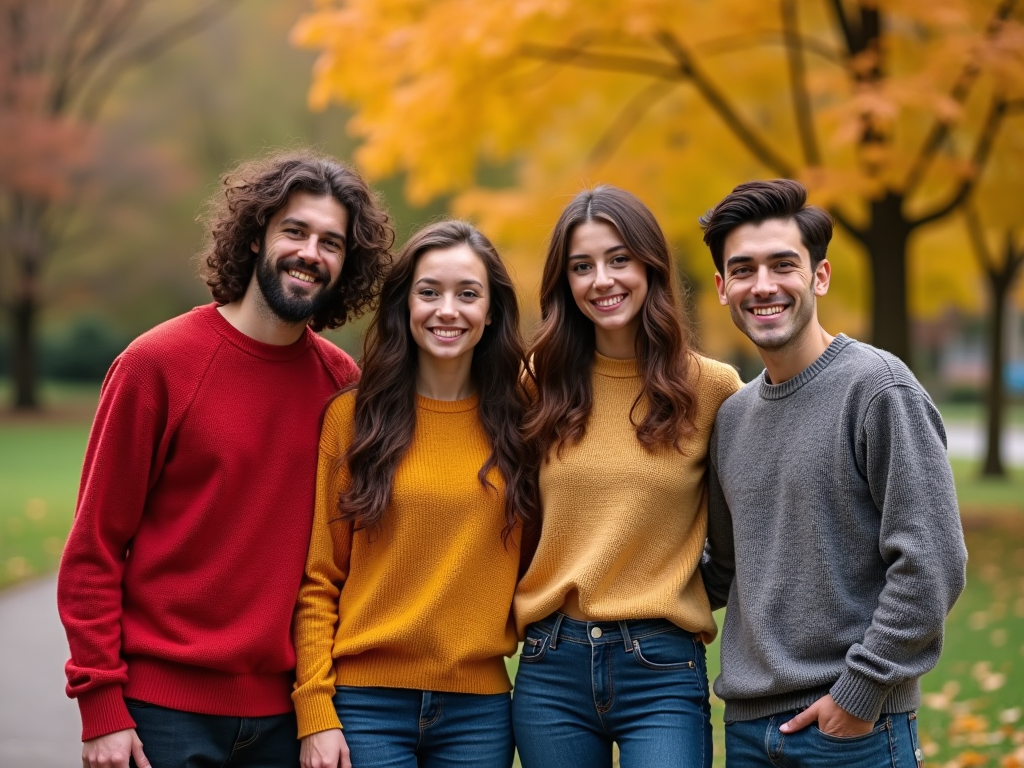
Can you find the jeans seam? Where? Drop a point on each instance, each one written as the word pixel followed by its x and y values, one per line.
pixel 424 726
pixel 243 744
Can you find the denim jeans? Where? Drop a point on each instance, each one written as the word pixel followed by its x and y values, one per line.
pixel 892 743
pixel 583 685
pixel 403 728
pixel 175 739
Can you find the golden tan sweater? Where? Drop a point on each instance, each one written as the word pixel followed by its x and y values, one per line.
pixel 426 602
pixel 625 526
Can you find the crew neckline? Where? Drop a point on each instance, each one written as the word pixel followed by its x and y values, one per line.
pixel 614 367
pixel 249 345
pixel 447 406
pixel 771 391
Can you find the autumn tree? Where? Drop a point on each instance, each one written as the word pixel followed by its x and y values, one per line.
pixel 59 60
pixel 887 109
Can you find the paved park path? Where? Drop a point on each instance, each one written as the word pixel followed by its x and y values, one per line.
pixel 39 725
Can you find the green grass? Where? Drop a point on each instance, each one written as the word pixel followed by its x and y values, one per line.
pixel 39 469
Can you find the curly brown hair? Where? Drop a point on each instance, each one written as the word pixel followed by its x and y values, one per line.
pixel 252 192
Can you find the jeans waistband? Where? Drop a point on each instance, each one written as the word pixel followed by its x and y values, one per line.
pixel 561 627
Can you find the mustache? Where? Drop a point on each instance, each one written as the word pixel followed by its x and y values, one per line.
pixel 294 262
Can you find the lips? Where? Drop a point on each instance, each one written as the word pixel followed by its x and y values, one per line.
pixel 447 334
pixel 609 302
pixel 299 270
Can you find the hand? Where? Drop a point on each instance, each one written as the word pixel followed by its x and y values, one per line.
pixel 831 718
pixel 325 749
pixel 113 750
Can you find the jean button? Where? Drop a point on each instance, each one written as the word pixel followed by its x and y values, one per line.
pixel 595 632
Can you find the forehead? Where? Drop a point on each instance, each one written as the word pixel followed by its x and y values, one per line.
pixel 460 262
pixel 764 238
pixel 594 237
pixel 319 211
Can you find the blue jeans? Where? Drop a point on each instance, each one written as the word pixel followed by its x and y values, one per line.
pixel 403 728
pixel 892 743
pixel 583 685
pixel 172 738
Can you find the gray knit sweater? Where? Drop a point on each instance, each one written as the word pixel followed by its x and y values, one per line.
pixel 835 494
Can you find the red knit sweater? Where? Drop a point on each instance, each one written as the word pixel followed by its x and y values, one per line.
pixel 179 578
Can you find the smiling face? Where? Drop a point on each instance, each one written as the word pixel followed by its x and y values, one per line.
pixel 769 284
pixel 609 285
pixel 449 303
pixel 301 256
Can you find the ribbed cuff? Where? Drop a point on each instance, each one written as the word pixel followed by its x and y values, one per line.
pixel 860 696
pixel 103 711
pixel 315 713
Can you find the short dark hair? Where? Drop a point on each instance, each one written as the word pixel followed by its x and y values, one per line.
pixel 757 201
pixel 253 191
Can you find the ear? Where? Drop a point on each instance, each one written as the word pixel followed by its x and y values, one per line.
pixel 488 320
pixel 254 246
pixel 720 287
pixel 822 275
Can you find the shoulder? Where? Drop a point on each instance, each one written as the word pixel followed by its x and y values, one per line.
pixel 342 367
pixel 713 376
pixel 876 366
pixel 339 423
pixel 182 343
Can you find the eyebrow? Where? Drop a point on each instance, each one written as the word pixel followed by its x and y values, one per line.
pixel 435 281
pixel 744 259
pixel 608 252
pixel 305 225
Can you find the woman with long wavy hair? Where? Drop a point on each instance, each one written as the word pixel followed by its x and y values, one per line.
pixel 612 608
pixel 404 614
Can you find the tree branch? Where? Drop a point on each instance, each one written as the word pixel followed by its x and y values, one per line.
pixel 627 119
pixel 740 42
pixel 962 86
pixel 147 51
pixel 979 157
pixel 608 62
pixel 977 235
pixel 845 223
pixel 729 115
pixel 798 83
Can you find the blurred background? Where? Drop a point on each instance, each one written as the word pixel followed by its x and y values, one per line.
pixel 904 119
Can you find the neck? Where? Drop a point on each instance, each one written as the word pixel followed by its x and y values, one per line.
pixel 441 379
pixel 251 315
pixel 619 344
pixel 786 362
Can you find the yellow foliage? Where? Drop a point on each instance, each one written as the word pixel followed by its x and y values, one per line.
pixel 570 93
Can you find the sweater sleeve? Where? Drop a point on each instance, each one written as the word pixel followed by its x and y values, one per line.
pixel 316 613
pixel 718 564
pixel 120 461
pixel 901 450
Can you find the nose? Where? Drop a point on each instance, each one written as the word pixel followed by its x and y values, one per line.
pixel 765 283
pixel 448 309
pixel 603 279
pixel 310 249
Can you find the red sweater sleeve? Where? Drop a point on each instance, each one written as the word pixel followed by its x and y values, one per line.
pixel 120 461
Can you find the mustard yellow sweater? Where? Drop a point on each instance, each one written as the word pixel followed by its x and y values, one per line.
pixel 624 526
pixel 426 602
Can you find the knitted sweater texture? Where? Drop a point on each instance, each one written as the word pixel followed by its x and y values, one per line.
pixel 624 526
pixel 835 536
pixel 179 577
pixel 425 601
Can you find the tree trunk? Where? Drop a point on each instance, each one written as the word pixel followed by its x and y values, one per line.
pixel 23 325
pixel 993 466
pixel 885 239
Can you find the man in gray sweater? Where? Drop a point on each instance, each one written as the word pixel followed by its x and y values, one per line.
pixel 834 534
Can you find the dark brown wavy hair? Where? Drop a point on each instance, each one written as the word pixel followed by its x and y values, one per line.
pixel 562 352
pixel 385 408
pixel 255 190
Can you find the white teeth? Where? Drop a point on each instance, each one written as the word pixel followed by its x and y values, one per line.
pixel 301 276
pixel 609 302
pixel 444 333
pixel 768 310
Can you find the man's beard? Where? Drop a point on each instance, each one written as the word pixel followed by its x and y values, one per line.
pixel 291 308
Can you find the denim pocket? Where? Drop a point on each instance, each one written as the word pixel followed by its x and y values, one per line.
pixel 534 649
pixel 665 651
pixel 879 728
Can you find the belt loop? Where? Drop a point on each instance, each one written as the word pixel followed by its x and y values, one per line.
pixel 626 640
pixel 555 630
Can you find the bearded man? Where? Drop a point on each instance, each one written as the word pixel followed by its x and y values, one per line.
pixel 179 578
